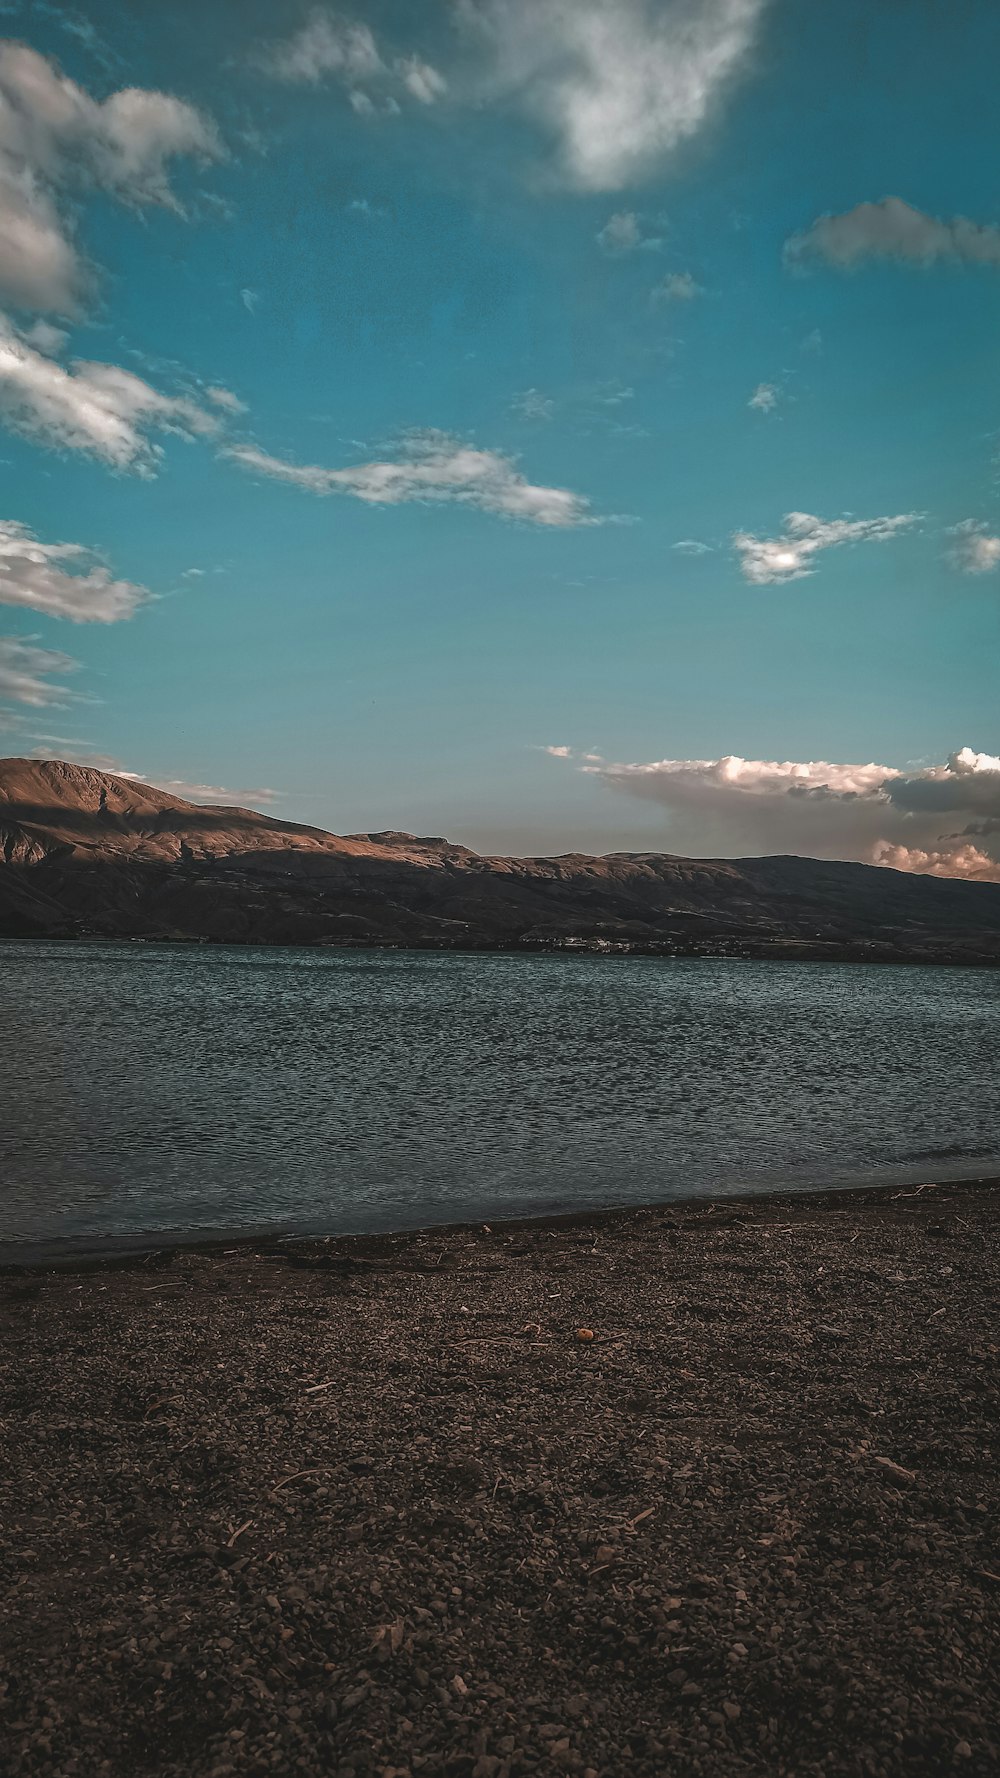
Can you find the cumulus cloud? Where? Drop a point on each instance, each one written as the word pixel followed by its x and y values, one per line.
pixel 892 229
pixel 677 287
pixel 975 550
pixel 432 466
pixel 616 87
pixel 765 398
pixel 56 141
pixel 26 672
pixel 331 47
pixel 954 861
pixel 876 813
pixel 770 561
pixel 624 233
pixel 99 409
pixel 61 580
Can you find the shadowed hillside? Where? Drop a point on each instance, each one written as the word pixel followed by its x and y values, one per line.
pixel 84 853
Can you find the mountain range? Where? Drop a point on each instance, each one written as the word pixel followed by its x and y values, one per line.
pixel 88 854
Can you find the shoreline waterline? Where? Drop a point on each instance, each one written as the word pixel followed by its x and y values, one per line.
pixel 86 1253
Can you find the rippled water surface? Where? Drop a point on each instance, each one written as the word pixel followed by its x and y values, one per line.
pixel 151 1087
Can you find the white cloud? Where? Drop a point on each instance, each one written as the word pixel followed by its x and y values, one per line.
pixel 967 781
pixel 531 404
pixel 975 551
pixel 26 670
pixel 771 561
pixel 99 409
pixel 215 793
pixel 559 752
pixel 325 45
pixel 612 394
pixel 765 398
pixel 949 861
pixel 677 287
pixel 892 229
pixel 55 141
pixel 691 546
pixel 225 399
pixel 617 86
pixel 624 233
pixel 32 575
pixel 432 466
pixel 875 813
pixel 48 339
pixel 421 80
pixel 331 47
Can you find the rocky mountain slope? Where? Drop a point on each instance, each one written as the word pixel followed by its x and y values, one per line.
pixel 87 854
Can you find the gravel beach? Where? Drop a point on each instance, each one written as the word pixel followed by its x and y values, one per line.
pixel 372 1506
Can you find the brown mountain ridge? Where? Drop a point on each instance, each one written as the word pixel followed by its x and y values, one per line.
pixel 86 854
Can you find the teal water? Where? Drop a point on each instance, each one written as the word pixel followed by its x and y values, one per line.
pixel 155 1087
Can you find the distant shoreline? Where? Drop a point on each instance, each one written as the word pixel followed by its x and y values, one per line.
pixel 782 951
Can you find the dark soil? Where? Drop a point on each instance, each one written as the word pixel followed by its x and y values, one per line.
pixel 371 1507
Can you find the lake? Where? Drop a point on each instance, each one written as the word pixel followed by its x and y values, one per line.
pixel 149 1088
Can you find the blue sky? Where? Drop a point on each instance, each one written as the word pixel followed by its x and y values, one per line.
pixel 433 332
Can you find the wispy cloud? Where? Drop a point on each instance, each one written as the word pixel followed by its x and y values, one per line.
pixel 326 45
pixel 55 142
pixel 624 233
pixel 765 398
pixel 225 399
pixel 976 550
pixel 331 47
pixel 432 466
pixel 40 577
pixel 691 546
pixel 216 793
pixel 26 672
pixel 531 404
pixel 99 409
pixel 83 753
pixel 770 561
pixel 892 229
pixel 676 287
pixel 616 87
pixel 881 814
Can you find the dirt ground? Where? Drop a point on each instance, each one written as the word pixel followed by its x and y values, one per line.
pixel 371 1506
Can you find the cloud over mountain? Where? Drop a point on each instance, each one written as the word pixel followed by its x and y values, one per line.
pixel 876 813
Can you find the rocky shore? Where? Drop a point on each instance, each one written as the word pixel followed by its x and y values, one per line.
pixel 375 1506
